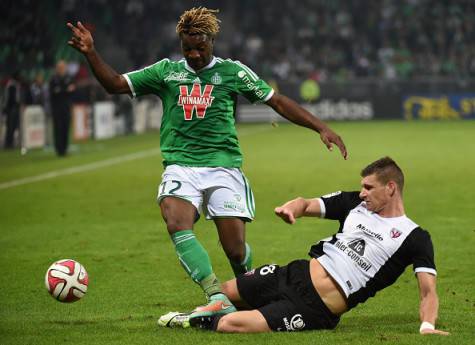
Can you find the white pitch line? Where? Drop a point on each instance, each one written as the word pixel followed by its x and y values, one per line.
pixel 80 168
pixel 100 164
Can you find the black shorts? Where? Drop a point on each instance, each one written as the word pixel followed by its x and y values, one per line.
pixel 286 297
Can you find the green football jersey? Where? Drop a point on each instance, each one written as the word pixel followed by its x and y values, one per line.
pixel 198 125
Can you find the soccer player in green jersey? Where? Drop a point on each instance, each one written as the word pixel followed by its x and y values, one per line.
pixel 199 143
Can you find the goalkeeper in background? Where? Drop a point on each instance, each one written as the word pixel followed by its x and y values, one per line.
pixel 199 143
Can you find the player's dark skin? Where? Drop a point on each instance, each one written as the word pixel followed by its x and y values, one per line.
pixel 198 52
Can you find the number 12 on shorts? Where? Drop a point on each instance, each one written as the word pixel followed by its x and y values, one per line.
pixel 169 187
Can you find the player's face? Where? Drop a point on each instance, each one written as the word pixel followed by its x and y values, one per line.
pixel 197 50
pixel 374 193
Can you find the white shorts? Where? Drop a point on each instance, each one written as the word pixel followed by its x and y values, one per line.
pixel 217 192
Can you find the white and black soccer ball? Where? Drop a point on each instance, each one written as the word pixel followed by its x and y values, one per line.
pixel 66 280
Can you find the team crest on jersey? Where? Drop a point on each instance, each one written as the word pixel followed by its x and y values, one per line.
pixel 177 76
pixel 198 100
pixel 216 79
pixel 395 233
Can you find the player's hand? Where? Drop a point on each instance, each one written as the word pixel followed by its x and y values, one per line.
pixel 433 331
pixel 286 214
pixel 81 38
pixel 329 138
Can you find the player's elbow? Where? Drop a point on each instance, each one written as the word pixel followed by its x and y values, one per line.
pixel 112 89
pixel 118 85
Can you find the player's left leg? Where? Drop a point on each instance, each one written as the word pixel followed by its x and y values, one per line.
pixel 249 321
pixel 231 233
pixel 229 201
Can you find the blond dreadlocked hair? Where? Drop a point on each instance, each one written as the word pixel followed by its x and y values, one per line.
pixel 198 21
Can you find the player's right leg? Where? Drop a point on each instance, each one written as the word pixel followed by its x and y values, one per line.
pixel 249 321
pixel 180 198
pixel 179 215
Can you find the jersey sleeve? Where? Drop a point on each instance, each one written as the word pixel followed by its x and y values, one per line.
pixel 423 252
pixel 337 205
pixel 148 80
pixel 252 87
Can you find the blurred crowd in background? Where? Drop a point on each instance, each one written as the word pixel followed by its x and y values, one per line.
pixel 282 40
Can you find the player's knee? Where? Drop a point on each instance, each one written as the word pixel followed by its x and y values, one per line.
pixel 226 324
pixel 175 225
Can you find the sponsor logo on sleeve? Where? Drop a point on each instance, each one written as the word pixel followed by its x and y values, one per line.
pixel 250 84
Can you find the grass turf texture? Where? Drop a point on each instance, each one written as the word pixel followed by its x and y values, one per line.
pixel 108 220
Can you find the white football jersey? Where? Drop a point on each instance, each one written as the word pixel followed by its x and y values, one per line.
pixel 369 252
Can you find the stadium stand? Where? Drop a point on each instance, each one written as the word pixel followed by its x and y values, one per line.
pixel 324 39
pixel 357 51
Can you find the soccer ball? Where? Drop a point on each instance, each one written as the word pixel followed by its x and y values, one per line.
pixel 66 280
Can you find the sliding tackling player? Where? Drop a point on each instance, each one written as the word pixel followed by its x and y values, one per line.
pixel 374 244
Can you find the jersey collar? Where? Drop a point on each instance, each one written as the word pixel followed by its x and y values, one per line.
pixel 208 66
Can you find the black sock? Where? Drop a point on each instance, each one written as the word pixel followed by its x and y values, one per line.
pixel 206 322
pixel 214 325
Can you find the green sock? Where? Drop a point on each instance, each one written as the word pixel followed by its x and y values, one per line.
pixel 245 265
pixel 195 260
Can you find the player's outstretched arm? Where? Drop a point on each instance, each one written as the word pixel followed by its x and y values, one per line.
pixel 82 41
pixel 429 304
pixel 297 208
pixel 298 115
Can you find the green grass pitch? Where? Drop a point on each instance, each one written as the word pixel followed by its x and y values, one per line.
pixel 106 218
